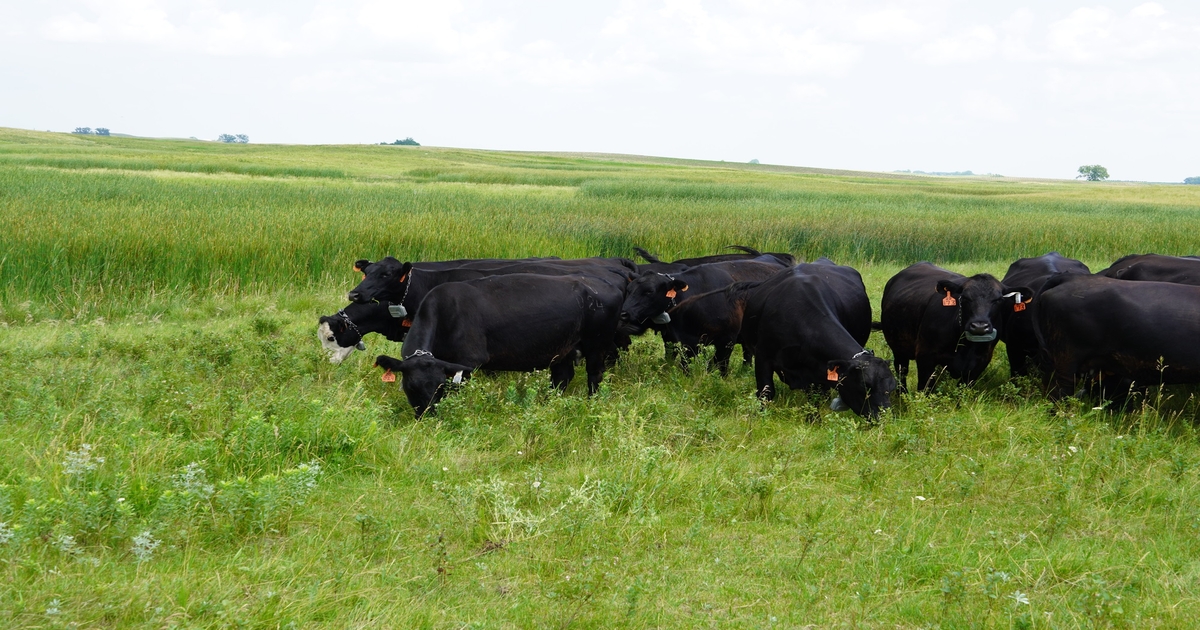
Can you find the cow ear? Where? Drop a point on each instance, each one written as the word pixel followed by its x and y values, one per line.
pixel 1025 292
pixel 837 369
pixel 389 363
pixel 404 271
pixel 452 369
pixel 679 285
pixel 954 287
pixel 361 264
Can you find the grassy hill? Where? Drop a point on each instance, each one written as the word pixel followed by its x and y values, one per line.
pixel 176 450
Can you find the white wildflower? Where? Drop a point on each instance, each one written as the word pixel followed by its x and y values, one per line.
pixel 144 545
pixel 66 544
pixel 6 533
pixel 193 481
pixel 81 461
pixel 920 498
pixel 1020 598
pixel 53 608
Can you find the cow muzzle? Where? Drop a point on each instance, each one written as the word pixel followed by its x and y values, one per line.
pixel 980 332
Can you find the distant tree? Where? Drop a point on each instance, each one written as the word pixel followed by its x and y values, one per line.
pixel 243 138
pixel 229 138
pixel 1093 173
pixel 83 130
pixel 1192 180
pixel 754 161
pixel 101 131
pixel 407 142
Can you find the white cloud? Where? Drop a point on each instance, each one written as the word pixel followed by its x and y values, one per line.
pixel 986 106
pixel 974 44
pixel 807 92
pixel 1150 9
pixel 121 20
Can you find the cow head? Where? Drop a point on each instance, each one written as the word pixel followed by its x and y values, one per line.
pixel 386 279
pixel 339 336
pixel 983 304
pixel 650 297
pixel 864 384
pixel 423 378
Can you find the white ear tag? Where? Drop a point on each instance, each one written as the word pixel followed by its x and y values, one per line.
pixel 397 310
pixel 457 377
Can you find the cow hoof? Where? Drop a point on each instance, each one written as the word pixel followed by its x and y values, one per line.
pixel 839 405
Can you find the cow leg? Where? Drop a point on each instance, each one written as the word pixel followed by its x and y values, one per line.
pixel 721 357
pixel 925 372
pixel 561 373
pixel 1018 360
pixel 687 353
pixel 764 378
pixel 595 371
pixel 901 365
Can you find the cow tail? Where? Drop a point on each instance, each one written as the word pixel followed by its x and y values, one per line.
pixel 743 248
pixel 647 256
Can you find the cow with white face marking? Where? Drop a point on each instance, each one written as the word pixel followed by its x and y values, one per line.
pixel 942 318
pixel 342 333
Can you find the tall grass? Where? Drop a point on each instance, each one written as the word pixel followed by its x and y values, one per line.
pixel 197 226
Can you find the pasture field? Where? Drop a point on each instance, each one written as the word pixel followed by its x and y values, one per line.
pixel 176 451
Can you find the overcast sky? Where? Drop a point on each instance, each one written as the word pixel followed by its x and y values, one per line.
pixel 934 85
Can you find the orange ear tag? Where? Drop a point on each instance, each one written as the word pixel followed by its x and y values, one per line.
pixel 401 280
pixel 388 377
pixel 364 276
pixel 1018 307
pixel 949 300
pixel 831 375
pixel 671 293
pixel 407 323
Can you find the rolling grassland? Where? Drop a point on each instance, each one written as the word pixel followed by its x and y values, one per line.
pixel 176 451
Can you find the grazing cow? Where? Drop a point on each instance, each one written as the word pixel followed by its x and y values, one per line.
pixel 342 333
pixel 939 317
pixel 1156 268
pixel 709 319
pixel 651 295
pixel 518 322
pixel 808 324
pixel 748 253
pixel 1123 334
pixel 1019 338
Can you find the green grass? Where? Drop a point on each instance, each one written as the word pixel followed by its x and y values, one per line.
pixel 158 306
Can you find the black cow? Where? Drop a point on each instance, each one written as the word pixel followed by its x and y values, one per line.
pixel 1123 334
pixel 651 295
pixel 519 322
pixel 709 319
pixel 1156 268
pixel 1019 338
pixel 808 324
pixel 939 317
pixel 391 280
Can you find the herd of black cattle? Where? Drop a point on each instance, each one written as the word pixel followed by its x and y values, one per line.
pixel 1133 325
